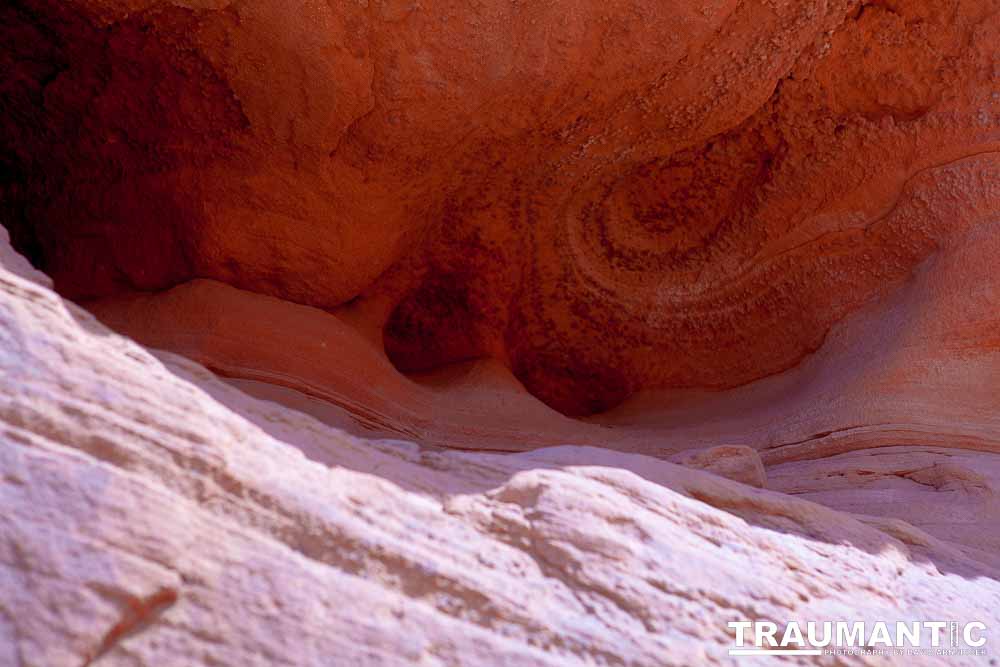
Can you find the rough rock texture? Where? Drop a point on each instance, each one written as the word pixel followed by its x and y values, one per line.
pixel 603 197
pixel 918 370
pixel 710 288
pixel 154 515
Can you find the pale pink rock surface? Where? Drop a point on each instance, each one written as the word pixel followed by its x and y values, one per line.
pixel 759 239
pixel 154 515
pixel 741 464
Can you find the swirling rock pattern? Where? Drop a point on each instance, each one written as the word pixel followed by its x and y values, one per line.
pixel 758 237
pixel 603 197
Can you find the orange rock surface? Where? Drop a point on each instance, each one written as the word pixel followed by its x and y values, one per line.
pixel 602 197
pixel 600 248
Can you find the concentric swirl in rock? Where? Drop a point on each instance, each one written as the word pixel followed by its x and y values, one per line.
pixel 606 197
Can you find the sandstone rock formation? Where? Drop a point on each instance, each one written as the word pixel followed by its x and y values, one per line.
pixel 919 370
pixel 602 197
pixel 472 333
pixel 156 516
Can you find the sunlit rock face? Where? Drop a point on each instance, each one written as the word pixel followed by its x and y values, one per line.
pixel 706 293
pixel 602 197
pixel 154 515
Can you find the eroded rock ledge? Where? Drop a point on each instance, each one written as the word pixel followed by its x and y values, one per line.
pixel 602 197
pixel 605 249
pixel 154 515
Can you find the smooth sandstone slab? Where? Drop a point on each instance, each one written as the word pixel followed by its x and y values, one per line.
pixel 916 371
pixel 742 464
pixel 919 366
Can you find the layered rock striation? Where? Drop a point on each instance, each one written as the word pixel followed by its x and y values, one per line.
pixel 154 515
pixel 493 333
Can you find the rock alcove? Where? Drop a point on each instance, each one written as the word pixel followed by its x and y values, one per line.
pixel 582 242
